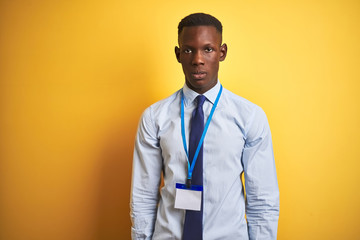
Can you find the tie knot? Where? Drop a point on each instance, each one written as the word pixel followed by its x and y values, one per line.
pixel 200 100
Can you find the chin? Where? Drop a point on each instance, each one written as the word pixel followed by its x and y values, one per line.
pixel 197 85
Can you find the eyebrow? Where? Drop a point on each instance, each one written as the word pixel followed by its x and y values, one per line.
pixel 205 45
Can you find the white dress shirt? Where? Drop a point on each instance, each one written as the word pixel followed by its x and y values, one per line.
pixel 238 140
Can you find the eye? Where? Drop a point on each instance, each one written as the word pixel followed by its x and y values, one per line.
pixel 209 49
pixel 187 50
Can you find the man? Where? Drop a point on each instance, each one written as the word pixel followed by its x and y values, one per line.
pixel 203 195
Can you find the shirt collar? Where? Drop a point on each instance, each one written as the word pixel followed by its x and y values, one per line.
pixel 190 95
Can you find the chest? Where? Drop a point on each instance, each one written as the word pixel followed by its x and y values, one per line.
pixel 224 137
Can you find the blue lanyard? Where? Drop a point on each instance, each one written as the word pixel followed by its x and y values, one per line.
pixel 191 168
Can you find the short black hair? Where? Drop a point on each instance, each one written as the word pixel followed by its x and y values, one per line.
pixel 199 19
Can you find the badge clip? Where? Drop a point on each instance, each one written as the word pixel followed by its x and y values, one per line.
pixel 188 183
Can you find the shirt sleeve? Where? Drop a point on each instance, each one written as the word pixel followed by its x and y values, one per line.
pixel 262 192
pixel 146 175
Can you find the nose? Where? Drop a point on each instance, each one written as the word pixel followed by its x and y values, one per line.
pixel 197 59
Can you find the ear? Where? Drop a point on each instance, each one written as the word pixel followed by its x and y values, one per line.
pixel 177 53
pixel 223 52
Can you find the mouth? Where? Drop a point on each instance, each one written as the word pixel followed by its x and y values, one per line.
pixel 198 75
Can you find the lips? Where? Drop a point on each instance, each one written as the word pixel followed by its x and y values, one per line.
pixel 198 75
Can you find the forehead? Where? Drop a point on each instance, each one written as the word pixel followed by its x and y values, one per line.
pixel 199 35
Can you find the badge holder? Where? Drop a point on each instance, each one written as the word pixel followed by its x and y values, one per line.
pixel 188 198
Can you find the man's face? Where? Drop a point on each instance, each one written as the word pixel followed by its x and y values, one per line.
pixel 199 53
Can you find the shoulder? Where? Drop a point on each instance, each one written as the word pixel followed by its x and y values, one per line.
pixel 160 108
pixel 251 117
pixel 238 104
pixel 166 102
pixel 156 114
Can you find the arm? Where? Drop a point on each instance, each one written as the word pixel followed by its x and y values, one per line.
pixel 262 192
pixel 146 173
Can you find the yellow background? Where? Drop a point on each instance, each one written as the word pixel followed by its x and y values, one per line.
pixel 76 75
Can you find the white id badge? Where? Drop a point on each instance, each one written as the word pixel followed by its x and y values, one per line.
pixel 188 198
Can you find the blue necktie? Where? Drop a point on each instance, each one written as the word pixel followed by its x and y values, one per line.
pixel 193 219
